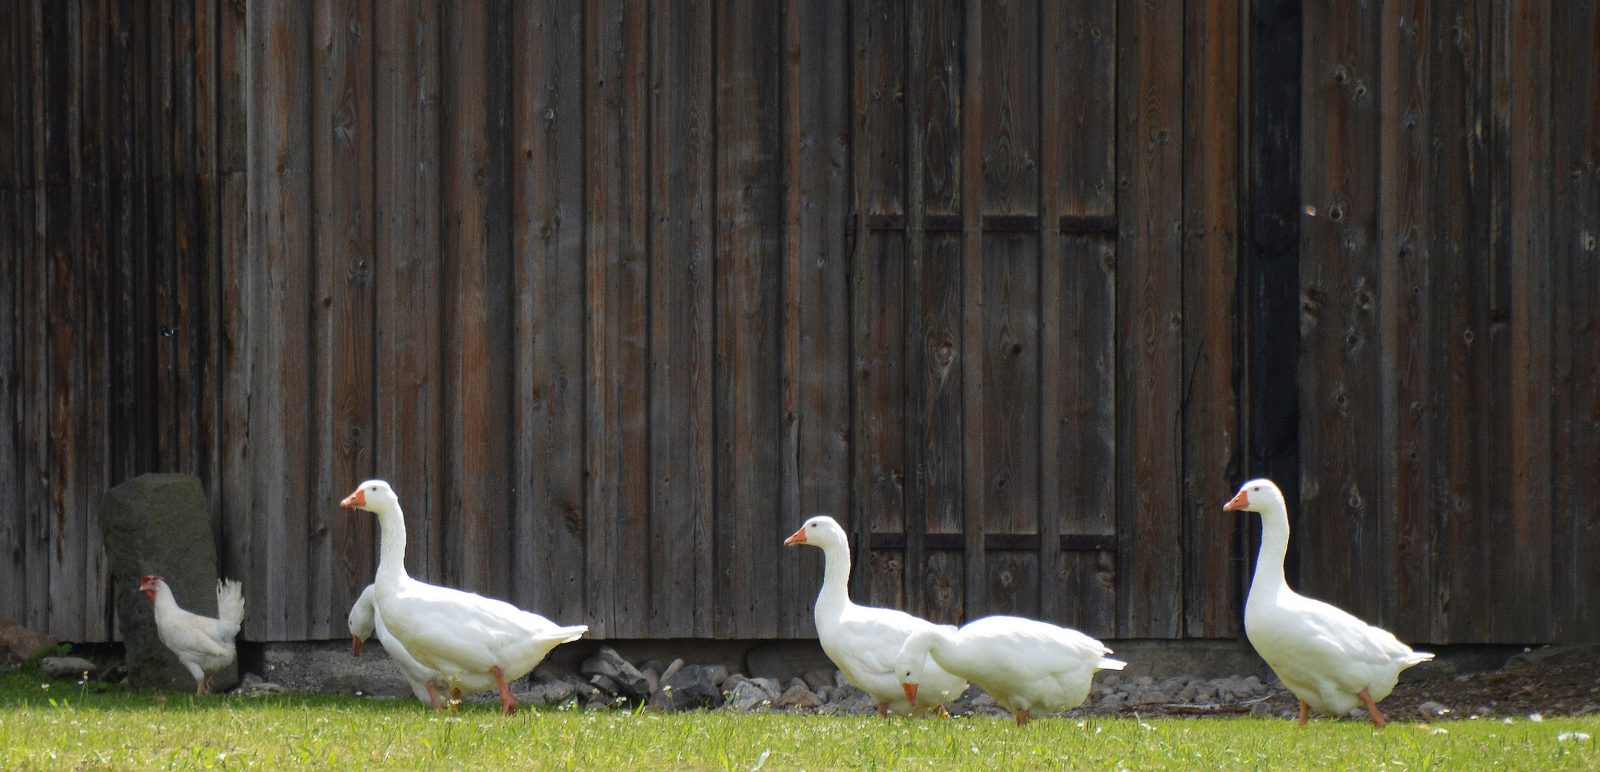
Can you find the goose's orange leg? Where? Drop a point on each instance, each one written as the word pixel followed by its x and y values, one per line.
pixel 1021 716
pixel 433 694
pixel 883 709
pixel 508 703
pixel 1372 709
pixel 1305 712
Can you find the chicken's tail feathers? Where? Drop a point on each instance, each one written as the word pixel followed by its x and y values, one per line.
pixel 230 605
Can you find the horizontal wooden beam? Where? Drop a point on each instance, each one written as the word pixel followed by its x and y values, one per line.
pixel 994 223
pixel 955 542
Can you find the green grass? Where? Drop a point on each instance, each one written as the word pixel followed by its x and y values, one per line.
pixel 96 726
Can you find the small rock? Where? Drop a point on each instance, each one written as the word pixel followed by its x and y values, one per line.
pixel 840 680
pixel 848 700
pixel 605 684
pixel 693 686
pixel 548 692
pixel 1112 700
pixel 607 662
pixel 1431 709
pixel 816 679
pixel 798 697
pixel 652 678
pixel 19 644
pixel 66 667
pixel 747 695
pixel 672 669
pixel 255 687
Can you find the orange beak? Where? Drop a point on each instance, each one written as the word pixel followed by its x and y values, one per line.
pixel 357 499
pixel 356 644
pixel 798 537
pixel 911 692
pixel 1239 501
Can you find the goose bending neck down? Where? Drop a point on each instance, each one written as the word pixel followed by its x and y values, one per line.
pixel 1024 664
pixel 1329 659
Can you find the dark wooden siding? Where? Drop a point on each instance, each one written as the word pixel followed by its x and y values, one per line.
pixel 618 292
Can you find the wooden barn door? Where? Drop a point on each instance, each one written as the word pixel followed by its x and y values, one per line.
pixel 1035 313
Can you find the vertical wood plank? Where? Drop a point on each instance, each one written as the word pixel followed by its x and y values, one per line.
pixel 881 474
pixel 280 264
pixel 1149 322
pixel 547 190
pixel 1575 284
pixel 749 332
pixel 476 281
pixel 1523 126
pixel 1406 313
pixel 235 101
pixel 407 136
pixel 15 227
pixel 934 331
pixel 1077 313
pixel 681 321
pixel 60 79
pixel 618 458
pixel 1212 603
pixel 817 309
pixel 343 309
pixel 99 621
pixel 1341 477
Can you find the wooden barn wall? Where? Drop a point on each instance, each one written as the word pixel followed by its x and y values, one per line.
pixel 617 293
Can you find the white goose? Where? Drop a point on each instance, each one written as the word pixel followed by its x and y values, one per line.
pixel 863 641
pixel 1024 664
pixel 1329 659
pixel 470 640
pixel 364 621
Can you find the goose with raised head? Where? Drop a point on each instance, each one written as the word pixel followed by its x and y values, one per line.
pixel 1328 658
pixel 1024 664
pixel 467 638
pixel 863 641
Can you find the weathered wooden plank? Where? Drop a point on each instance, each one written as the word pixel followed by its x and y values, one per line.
pixel 1272 249
pixel 617 457
pixel 475 291
pixel 1523 125
pixel 343 312
pixel 62 279
pixel 1212 603
pixel 816 313
pixel 933 314
pixel 749 330
pixel 1575 285
pixel 99 620
pixel 1459 267
pixel 1405 319
pixel 1341 510
pixel 281 341
pixel 682 324
pixel 232 489
pixel 1077 294
pixel 878 297
pixel 1149 319
pixel 15 257
pixel 547 211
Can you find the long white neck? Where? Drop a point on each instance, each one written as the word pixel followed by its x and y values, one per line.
pixel 924 643
pixel 1274 547
pixel 392 545
pixel 835 594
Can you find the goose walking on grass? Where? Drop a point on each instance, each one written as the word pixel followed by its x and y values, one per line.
pixel 471 641
pixel 863 641
pixel 1329 659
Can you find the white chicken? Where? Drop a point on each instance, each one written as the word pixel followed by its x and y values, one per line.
pixel 203 645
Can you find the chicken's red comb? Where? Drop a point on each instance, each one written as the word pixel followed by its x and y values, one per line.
pixel 150 578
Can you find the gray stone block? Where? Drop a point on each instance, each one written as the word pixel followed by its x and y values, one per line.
pixel 159 524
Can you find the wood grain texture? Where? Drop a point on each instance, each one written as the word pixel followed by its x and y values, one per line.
pixel 682 322
pixel 344 308
pixel 548 213
pixel 408 446
pixel 1209 398
pixel 1149 319
pixel 817 419
pixel 749 331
